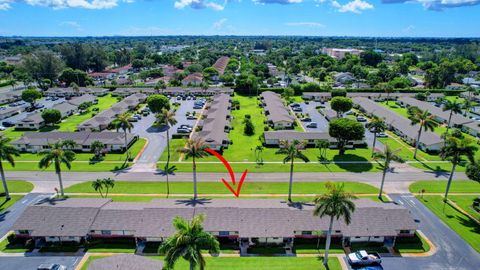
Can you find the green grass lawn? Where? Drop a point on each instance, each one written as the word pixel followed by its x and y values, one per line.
pixel 112 161
pixel 18 186
pixel 465 202
pixel 4 205
pixel 248 263
pixel 112 248
pixel 461 224
pixel 243 148
pixel 415 244
pixel 460 186
pixel 123 187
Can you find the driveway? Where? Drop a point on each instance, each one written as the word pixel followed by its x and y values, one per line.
pixel 452 252
pixel 31 263
pixel 8 217
pixel 310 108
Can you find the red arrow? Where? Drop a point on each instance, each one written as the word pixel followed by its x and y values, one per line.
pixel 230 171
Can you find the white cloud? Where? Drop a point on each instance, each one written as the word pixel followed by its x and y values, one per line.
pixel 5 4
pixel 305 24
pixel 61 4
pixel 355 6
pixel 199 4
pixel 219 24
pixel 281 2
pixel 437 5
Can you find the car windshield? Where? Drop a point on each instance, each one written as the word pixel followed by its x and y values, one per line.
pixel 359 256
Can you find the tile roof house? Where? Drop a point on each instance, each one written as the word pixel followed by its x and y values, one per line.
pixel 34 142
pixel 278 115
pixel 216 123
pixel 429 141
pixel 221 64
pixel 102 120
pixel 193 79
pixel 273 138
pixel 125 262
pixel 266 220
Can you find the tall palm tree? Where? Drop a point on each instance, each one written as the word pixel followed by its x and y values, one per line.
pixel 194 148
pixel 121 122
pixel 167 118
pixel 425 121
pixel 108 183
pixel 7 152
pixel 188 242
pixel 454 150
pixel 376 126
pixel 292 150
pixel 387 156
pixel 97 185
pixel 58 154
pixel 336 204
pixel 453 107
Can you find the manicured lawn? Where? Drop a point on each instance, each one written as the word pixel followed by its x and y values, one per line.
pixel 309 246
pixel 4 205
pixel 415 244
pixel 461 224
pixel 123 187
pixel 257 263
pixel 460 186
pixel 465 202
pixel 18 186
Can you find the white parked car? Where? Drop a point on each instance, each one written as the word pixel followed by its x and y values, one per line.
pixel 53 266
pixel 362 257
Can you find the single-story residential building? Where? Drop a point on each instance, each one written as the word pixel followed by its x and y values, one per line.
pixel 6 112
pixel 278 116
pixel 273 138
pixel 377 96
pixel 125 262
pixel 35 120
pixel 77 101
pixel 245 222
pixel 68 92
pixel 429 141
pixel 216 123
pixel 34 142
pixel 10 96
pixel 193 79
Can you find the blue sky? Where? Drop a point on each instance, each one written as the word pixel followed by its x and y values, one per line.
pixel 432 18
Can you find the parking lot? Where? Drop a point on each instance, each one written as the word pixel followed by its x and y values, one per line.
pixel 46 103
pixel 31 263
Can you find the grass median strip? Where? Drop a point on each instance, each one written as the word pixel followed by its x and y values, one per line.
pixel 459 186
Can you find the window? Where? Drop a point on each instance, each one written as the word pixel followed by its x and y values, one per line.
pixel 306 232
pixel 404 231
pixel 23 231
pixel 338 231
pixel 223 233
pixel 105 232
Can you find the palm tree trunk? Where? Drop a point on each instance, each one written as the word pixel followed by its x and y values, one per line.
pixel 450 178
pixel 168 160
pixel 192 265
pixel 4 182
pixel 194 179
pixel 417 143
pixel 125 133
pixel 59 174
pixel 329 239
pixel 385 168
pixel 291 182
pixel 449 120
pixel 374 142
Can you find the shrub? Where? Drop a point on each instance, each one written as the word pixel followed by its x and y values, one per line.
pixel 248 116
pixel 12 239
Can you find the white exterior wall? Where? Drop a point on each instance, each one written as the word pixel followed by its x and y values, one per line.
pixel 270 240
pixel 54 239
pixel 282 125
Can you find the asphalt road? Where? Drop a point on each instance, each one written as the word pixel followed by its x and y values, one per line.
pixel 8 218
pixel 31 263
pixel 452 252
pixel 322 123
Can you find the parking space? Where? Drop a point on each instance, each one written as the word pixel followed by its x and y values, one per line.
pixel 185 109
pixel 31 263
pixel 311 117
pixel 44 102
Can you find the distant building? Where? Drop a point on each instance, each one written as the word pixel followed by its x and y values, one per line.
pixel 193 79
pixel 340 53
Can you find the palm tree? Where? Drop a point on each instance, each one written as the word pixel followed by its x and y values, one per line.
pixel 387 156
pixel 194 148
pixel 121 122
pixel 336 204
pixel 58 154
pixel 188 242
pixel 453 107
pixel 425 121
pixel 376 126
pixel 7 152
pixel 108 183
pixel 322 146
pixel 167 118
pixel 292 151
pixel 97 148
pixel 454 150
pixel 97 185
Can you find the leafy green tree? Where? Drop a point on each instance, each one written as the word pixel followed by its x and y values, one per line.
pixel 425 122
pixel 371 58
pixel 121 122
pixel 31 95
pixel 42 64
pixel 311 87
pixel 384 158
pixel 336 204
pixel 210 72
pixel 288 93
pixel 167 118
pixel 188 242
pixel 473 171
pixel 51 116
pixel 258 154
pixel 400 83
pixel 59 153
pixel 97 148
pixel 454 150
pixel 160 85
pixel 79 77
pixel 345 130
pixel 246 84
pixel 376 125
pixel 292 150
pixel 7 152
pixel 249 128
pixel 156 103
pixel 341 105
pixel 194 148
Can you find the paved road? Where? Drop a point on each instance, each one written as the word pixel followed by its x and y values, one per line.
pixel 8 218
pixel 310 108
pixel 397 182
pixel 452 253
pixel 31 263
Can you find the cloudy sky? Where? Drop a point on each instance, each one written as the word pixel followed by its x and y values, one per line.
pixel 392 18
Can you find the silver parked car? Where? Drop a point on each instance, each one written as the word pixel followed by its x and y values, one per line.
pixel 53 266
